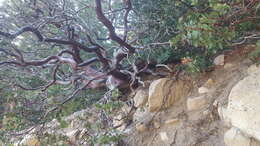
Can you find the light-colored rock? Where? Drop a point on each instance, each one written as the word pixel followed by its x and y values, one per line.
pixel 164 136
pixel 219 60
pixel 142 115
pixel 141 127
pixel 165 92
pixel 72 135
pixel 203 90
pixel 234 137
pixel 156 124
pixel 196 103
pixel 83 133
pixel 119 122
pixel 172 121
pixel 140 98
pixel 126 108
pixel 222 112
pixel 253 69
pixel 243 105
pixel 30 140
pixel 228 65
pixel 209 84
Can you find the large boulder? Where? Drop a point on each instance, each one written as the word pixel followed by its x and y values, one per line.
pixel 244 105
pixel 234 137
pixel 165 92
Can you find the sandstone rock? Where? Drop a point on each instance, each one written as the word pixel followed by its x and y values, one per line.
pixel 140 98
pixel 30 140
pixel 196 103
pixel 210 83
pixel 243 105
pixel 141 127
pixel 171 121
pixel 219 60
pixel 165 92
pixel 228 65
pixel 234 137
pixel 156 124
pixel 164 136
pixel 203 90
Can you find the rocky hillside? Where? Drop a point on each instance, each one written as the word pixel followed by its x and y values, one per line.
pixel 217 108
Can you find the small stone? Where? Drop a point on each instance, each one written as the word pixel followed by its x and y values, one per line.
pixel 141 114
pixel 206 112
pixel 119 122
pixel 203 90
pixel 141 127
pixel 210 83
pixel 156 125
pixel 228 65
pixel 72 135
pixel 196 103
pixel 140 98
pixel 220 60
pixel 164 136
pixel 72 124
pixel 234 137
pixel 172 122
pixel 30 140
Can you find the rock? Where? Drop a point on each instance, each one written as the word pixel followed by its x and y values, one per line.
pixel 141 127
pixel 196 103
pixel 243 105
pixel 119 122
pixel 228 65
pixel 203 90
pixel 210 83
pixel 164 136
pixel 30 140
pixel 253 69
pixel 234 137
pixel 83 133
pixel 171 121
pixel 219 60
pixel 142 115
pixel 72 135
pixel 126 108
pixel 156 124
pixel 165 92
pixel 140 98
pixel 222 112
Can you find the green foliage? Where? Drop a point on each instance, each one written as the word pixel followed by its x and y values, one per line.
pixel 255 55
pixel 210 25
pixel 197 64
